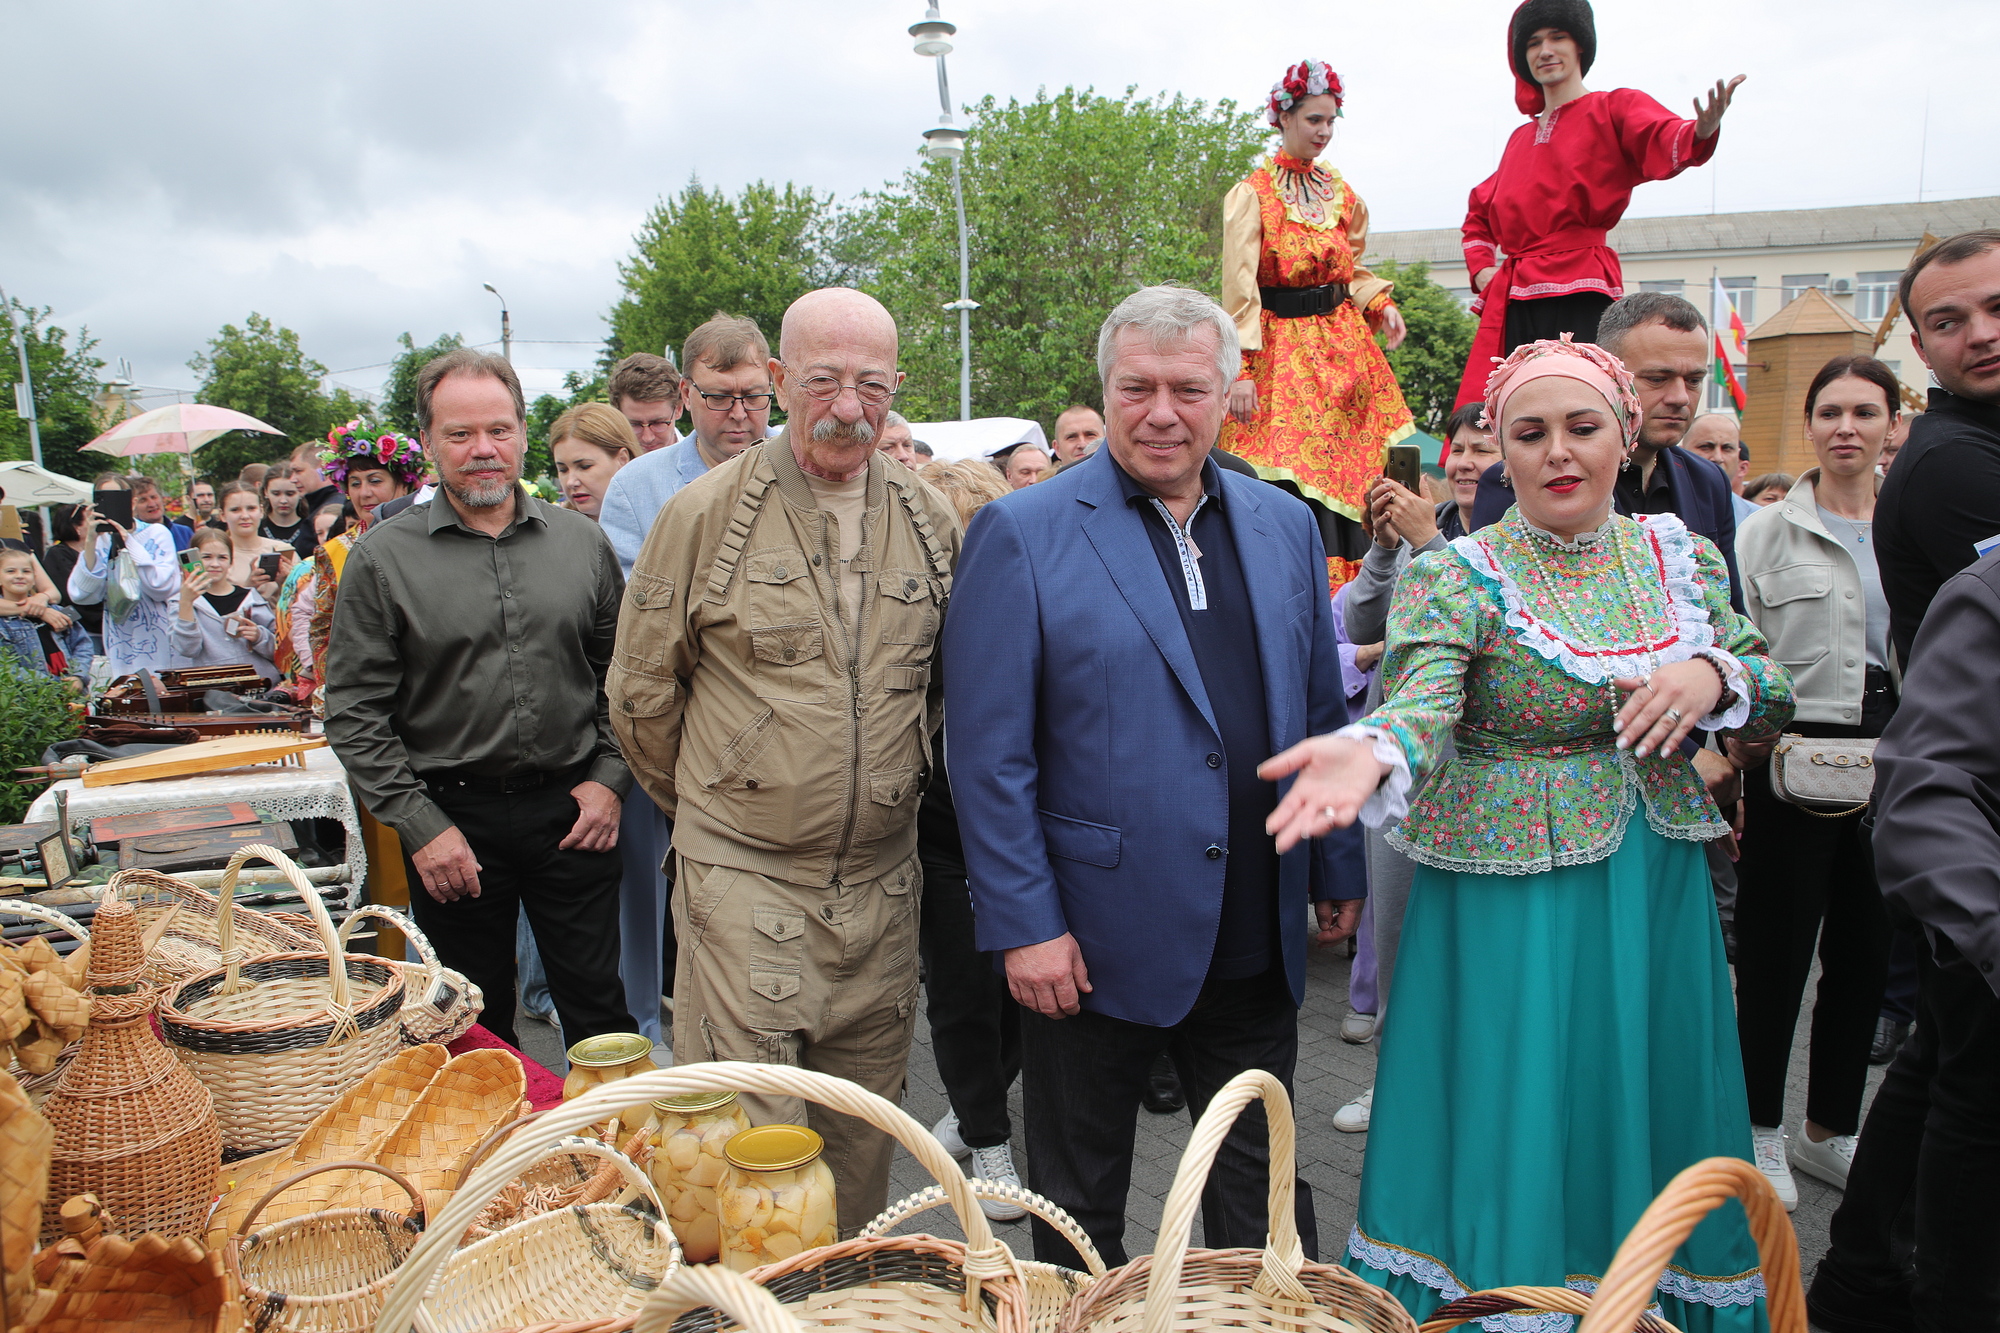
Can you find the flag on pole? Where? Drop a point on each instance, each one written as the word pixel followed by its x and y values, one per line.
pixel 1738 335
pixel 1725 373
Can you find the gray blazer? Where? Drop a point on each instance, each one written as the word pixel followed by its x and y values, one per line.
pixel 1937 832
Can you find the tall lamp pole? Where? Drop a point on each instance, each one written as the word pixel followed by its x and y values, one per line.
pixel 946 142
pixel 506 323
pixel 24 401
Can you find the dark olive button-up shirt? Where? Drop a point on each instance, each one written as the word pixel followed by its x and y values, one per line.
pixel 451 649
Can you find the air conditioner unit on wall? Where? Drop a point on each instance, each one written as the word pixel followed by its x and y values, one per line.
pixel 1841 286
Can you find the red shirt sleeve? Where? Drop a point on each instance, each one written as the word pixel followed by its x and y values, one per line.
pixel 1658 144
pixel 1477 229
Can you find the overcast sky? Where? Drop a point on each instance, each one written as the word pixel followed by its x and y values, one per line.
pixel 360 169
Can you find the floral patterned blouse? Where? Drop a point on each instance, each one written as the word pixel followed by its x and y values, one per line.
pixel 1507 643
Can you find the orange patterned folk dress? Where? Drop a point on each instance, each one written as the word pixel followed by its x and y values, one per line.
pixel 1328 406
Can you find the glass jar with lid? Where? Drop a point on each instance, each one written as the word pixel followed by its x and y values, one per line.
pixel 688 1165
pixel 608 1058
pixel 778 1197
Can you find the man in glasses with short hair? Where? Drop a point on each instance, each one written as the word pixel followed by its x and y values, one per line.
pixel 773 691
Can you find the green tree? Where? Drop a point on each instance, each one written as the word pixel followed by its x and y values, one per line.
pixel 399 396
pixel 1072 201
pixel 1431 360
pixel 65 380
pixel 261 369
pixel 701 251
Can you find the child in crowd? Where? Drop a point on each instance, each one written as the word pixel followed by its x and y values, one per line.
pixel 39 638
pixel 217 623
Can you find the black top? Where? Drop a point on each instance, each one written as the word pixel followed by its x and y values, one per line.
pixel 59 561
pixel 1224 637
pixel 939 849
pixel 1942 495
pixel 225 603
pixel 298 533
pixel 1652 495
pixel 325 495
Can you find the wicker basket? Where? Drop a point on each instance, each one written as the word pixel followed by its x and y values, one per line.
pixel 189 925
pixel 1268 1290
pixel 438 1003
pixel 38 1086
pixel 911 1282
pixel 1631 1283
pixel 1051 1287
pixel 25 1139
pixel 593 1262
pixel 325 1272
pixel 711 1286
pixel 132 1126
pixel 149 1285
pixel 559 1179
pixel 277 1039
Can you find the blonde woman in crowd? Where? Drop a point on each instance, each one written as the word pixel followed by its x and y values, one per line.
pixel 590 444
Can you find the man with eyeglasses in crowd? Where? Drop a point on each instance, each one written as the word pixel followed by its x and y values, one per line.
pixel 773 691
pixel 726 390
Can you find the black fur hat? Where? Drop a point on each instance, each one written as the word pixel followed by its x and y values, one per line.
pixel 1572 16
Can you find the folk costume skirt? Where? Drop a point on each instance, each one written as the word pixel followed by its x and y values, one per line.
pixel 1562 1045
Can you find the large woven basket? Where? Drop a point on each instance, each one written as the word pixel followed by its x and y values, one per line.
pixel 278 1038
pixel 326 1272
pixel 1050 1287
pixel 877 1283
pixel 187 925
pixel 591 1263
pixel 1631 1283
pixel 439 1004
pixel 712 1286
pixel 1272 1290
pixel 38 1086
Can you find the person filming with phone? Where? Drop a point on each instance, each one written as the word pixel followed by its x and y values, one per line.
pixel 217 622
pixel 130 568
pixel 255 561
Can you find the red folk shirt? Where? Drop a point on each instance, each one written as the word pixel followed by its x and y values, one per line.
pixel 1561 186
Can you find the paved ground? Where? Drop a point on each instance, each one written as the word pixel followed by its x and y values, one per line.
pixel 1331 1073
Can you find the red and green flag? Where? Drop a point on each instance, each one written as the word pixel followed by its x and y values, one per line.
pixel 1725 373
pixel 1725 369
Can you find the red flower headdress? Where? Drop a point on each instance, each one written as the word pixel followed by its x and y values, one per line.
pixel 398 455
pixel 1308 78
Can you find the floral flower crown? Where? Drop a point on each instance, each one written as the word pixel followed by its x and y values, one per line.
pixel 398 455
pixel 1308 78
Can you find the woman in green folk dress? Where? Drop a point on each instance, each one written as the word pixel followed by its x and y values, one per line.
pixel 1563 1041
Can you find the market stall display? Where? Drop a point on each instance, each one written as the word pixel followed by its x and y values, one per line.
pixel 778 1198
pixel 688 1137
pixel 204 757
pixel 439 1004
pixel 42 1013
pixel 327 1271
pixel 186 923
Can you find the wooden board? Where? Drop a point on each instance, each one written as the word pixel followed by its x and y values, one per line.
pixel 201 849
pixel 116 828
pixel 201 757
pixel 23 837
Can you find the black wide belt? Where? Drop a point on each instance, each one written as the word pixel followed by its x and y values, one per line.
pixel 1298 302
pixel 471 779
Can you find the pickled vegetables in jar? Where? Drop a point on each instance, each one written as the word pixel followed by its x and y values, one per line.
pixel 778 1197
pixel 608 1058
pixel 688 1166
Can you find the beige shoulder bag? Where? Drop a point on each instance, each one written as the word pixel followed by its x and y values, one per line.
pixel 1823 776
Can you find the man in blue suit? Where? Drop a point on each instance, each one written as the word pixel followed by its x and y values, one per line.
pixel 1126 642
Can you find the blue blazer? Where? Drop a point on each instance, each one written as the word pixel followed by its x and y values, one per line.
pixel 1080 733
pixel 1702 499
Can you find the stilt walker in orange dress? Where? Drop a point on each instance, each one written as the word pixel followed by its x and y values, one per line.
pixel 1317 406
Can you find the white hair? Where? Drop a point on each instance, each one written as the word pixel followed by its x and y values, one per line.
pixel 1168 316
pixel 893 418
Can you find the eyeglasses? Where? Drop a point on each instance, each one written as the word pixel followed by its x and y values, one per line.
pixel 869 393
pixel 725 402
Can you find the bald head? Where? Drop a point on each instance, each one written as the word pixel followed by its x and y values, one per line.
pixel 838 315
pixel 836 377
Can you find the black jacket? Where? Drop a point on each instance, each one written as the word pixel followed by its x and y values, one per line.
pixel 1942 495
pixel 1701 500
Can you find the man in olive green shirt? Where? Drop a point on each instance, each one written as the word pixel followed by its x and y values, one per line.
pixel 465 695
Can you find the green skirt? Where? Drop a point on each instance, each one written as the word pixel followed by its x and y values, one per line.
pixel 1560 1046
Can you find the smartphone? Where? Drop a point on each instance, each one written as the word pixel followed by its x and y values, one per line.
pixel 115 505
pixel 1405 467
pixel 268 564
pixel 191 561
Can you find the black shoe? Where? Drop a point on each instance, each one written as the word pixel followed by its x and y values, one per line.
pixel 1163 1088
pixel 1729 942
pixel 1889 1038
pixel 1835 1305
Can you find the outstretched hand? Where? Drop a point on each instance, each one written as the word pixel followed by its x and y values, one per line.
pixel 1708 119
pixel 1336 775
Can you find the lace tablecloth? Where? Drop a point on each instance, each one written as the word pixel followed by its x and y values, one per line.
pixel 275 791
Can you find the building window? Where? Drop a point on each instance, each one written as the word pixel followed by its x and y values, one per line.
pixel 1873 292
pixel 1743 291
pixel 1796 284
pixel 1671 286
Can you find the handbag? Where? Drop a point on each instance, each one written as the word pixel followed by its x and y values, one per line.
pixel 121 589
pixel 1830 777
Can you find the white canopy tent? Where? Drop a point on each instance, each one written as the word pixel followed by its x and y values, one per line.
pixel 978 438
pixel 30 485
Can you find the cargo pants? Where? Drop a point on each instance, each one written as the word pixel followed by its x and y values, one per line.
pixel 820 978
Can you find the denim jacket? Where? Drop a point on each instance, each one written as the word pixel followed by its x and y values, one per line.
pixel 21 636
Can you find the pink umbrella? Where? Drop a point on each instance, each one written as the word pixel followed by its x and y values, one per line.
pixel 178 429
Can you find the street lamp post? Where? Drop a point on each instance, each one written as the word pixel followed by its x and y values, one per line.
pixel 946 142
pixel 506 323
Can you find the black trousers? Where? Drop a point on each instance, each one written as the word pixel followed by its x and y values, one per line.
pixel 975 1024
pixel 1082 1081
pixel 1803 880
pixel 1552 316
pixel 1928 1168
pixel 571 898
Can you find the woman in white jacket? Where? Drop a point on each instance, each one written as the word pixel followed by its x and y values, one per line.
pixel 1810 583
pixel 218 623
pixel 136 637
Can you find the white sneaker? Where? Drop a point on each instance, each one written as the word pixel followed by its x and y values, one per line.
pixel 1768 1147
pixel 1353 1117
pixel 1826 1160
pixel 1357 1029
pixel 995 1166
pixel 946 1132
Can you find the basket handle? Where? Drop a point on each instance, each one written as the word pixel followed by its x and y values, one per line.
pixel 1668 1221
pixel 695 1286
pixel 1521 1300
pixel 48 916
pixel 985 1257
pixel 405 927
pixel 1284 1257
pixel 933 1196
pixel 225 917
pixel 486 1145
pixel 416 1199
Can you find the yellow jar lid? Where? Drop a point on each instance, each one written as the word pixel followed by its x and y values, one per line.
pixel 688 1103
pixel 773 1147
pixel 609 1048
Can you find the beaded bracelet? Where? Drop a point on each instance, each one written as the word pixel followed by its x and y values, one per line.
pixel 1728 695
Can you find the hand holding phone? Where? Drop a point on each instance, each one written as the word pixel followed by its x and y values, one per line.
pixel 191 561
pixel 268 564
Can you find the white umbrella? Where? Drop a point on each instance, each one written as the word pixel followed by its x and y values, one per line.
pixel 179 428
pixel 29 486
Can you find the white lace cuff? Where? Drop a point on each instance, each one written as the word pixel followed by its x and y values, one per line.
pixel 1738 681
pixel 1390 800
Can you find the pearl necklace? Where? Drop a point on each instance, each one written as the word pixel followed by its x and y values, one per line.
pixel 1644 604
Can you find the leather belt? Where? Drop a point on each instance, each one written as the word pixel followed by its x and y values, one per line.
pixel 505 784
pixel 1299 302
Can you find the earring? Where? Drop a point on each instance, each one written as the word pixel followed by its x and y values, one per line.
pixel 1627 465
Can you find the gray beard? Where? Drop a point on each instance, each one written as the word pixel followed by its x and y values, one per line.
pixel 482 494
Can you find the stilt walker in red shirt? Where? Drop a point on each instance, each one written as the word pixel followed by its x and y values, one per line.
pixel 1535 230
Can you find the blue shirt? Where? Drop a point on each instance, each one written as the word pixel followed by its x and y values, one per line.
pixel 641 490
